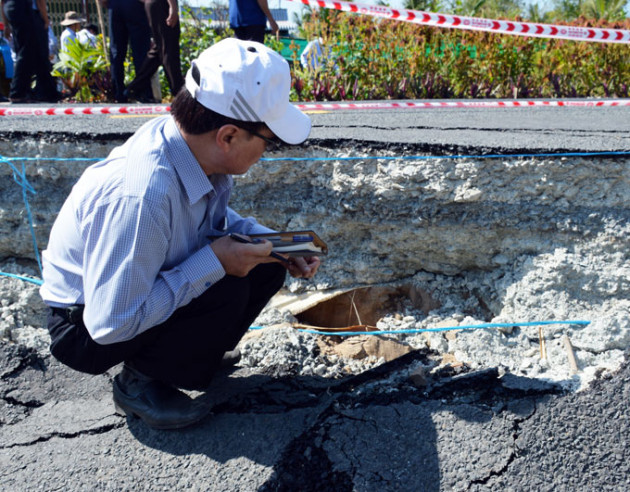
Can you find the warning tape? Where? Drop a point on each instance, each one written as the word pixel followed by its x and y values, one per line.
pixel 461 104
pixel 574 33
pixel 82 110
pixel 325 106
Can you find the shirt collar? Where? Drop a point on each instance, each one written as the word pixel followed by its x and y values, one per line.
pixel 196 183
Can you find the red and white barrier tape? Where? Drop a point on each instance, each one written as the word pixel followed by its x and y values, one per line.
pixel 574 33
pixel 461 104
pixel 82 110
pixel 323 106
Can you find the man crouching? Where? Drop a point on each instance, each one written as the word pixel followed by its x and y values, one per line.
pixel 130 273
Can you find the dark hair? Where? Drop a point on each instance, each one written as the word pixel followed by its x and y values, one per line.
pixel 194 118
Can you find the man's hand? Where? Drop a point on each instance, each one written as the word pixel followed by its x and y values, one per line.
pixel 173 18
pixel 238 259
pixel 173 13
pixel 43 12
pixel 303 267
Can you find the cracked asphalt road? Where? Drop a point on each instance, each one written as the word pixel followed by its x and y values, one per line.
pixel 475 431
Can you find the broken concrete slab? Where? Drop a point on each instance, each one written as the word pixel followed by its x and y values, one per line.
pixel 362 346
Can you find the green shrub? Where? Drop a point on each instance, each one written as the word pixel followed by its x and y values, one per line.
pixel 84 72
pixel 384 59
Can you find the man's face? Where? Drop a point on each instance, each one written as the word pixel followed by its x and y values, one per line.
pixel 230 149
pixel 249 148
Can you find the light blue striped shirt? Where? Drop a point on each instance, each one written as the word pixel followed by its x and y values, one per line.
pixel 131 240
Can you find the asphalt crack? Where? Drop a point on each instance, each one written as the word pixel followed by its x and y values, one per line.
pixel 68 435
pixel 306 463
pixel 514 454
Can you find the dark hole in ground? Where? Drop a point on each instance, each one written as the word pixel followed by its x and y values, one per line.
pixel 365 306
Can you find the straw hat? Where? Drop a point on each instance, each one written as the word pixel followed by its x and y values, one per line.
pixel 72 18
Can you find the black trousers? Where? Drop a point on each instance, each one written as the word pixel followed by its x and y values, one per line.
pixel 164 49
pixel 186 350
pixel 128 24
pixel 250 33
pixel 30 39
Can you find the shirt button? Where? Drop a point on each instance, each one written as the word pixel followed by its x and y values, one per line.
pixel 208 284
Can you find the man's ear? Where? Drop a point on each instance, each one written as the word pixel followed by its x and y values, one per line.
pixel 226 136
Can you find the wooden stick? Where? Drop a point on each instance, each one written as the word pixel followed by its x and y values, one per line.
pixel 541 341
pixel 570 354
pixel 356 311
pixel 102 26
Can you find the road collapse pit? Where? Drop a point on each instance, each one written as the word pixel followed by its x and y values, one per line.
pixel 427 312
pixel 413 245
pixel 456 243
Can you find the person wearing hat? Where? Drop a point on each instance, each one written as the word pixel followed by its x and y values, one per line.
pixel 72 23
pixel 140 268
pixel 89 35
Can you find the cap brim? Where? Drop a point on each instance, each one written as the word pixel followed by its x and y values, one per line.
pixel 293 127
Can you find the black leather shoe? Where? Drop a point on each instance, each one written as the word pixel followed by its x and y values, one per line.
pixel 231 358
pixel 158 404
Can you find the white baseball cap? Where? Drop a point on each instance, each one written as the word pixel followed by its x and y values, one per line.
pixel 247 81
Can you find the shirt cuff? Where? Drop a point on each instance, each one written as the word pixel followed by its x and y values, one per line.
pixel 203 269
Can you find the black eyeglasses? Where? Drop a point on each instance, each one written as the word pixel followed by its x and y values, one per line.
pixel 272 144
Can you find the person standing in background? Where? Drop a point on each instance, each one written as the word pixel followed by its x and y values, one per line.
pixel 72 23
pixel 53 46
pixel 248 19
pixel 6 65
pixel 127 24
pixel 28 21
pixel 163 18
pixel 89 35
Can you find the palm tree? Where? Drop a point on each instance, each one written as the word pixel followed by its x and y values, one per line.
pixel 424 5
pixel 611 10
pixel 491 9
pixel 535 14
pixel 566 10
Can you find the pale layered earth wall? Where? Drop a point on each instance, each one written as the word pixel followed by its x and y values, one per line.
pixel 490 239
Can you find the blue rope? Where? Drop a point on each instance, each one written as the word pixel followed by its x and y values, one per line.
pixel 363 158
pixel 481 326
pixel 434 157
pixel 35 281
pixel 18 177
pixel 21 179
pixel 30 220
pixel 53 159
